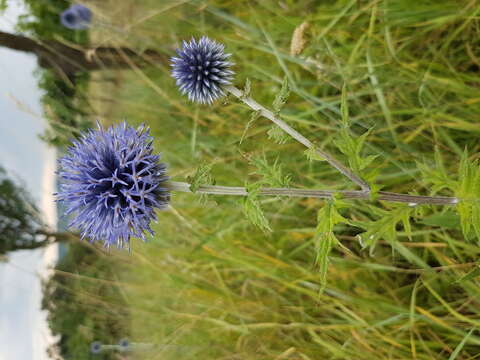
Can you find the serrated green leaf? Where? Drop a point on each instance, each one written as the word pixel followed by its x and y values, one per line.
pixel 385 226
pixel 255 115
pixel 325 239
pixel 468 191
pixel 201 177
pixel 352 147
pixel 247 88
pixel 278 135
pixel 253 211
pixel 282 97
pixel 272 174
pixel 312 154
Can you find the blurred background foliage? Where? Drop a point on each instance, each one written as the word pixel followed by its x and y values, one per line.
pixel 211 285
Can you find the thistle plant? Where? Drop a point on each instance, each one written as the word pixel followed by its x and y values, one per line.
pixel 203 73
pixel 112 183
pixel 193 57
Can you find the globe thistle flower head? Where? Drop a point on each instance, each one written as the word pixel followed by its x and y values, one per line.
pixel 76 17
pixel 201 69
pixel 96 347
pixel 112 183
pixel 124 344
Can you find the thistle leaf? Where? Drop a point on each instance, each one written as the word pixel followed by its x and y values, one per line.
pixel 253 210
pixel 278 135
pixel 201 177
pixel 325 239
pixel 282 96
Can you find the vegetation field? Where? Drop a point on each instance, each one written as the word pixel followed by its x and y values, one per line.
pixel 298 278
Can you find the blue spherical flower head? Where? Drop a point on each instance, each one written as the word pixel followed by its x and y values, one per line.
pixel 112 182
pixel 201 70
pixel 96 347
pixel 124 345
pixel 76 17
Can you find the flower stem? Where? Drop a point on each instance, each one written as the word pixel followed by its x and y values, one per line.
pixel 323 194
pixel 247 100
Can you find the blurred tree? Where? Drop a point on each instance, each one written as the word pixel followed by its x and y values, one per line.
pixel 66 60
pixel 21 226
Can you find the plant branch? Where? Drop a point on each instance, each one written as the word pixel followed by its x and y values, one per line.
pixel 322 194
pixel 247 100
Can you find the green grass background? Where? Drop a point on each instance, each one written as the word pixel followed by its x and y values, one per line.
pixel 210 285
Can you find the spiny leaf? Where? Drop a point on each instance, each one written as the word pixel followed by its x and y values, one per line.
pixel 255 115
pixel 436 175
pixel 272 174
pixel 325 239
pixel 312 154
pixel 385 226
pixel 247 88
pixel 282 97
pixel 201 177
pixel 352 147
pixel 278 135
pixel 253 210
pixel 468 191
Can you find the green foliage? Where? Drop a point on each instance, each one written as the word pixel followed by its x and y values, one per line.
pixel 63 100
pixel 19 217
pixel 247 89
pixel 272 175
pixel 436 176
pixel 278 135
pixel 385 227
pixel 468 192
pixel 202 176
pixel 281 97
pixel 352 146
pixel 312 154
pixel 253 117
pixel 206 274
pixel 324 237
pixel 84 303
pixel 253 210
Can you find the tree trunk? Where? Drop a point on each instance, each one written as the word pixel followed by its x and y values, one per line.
pixel 68 61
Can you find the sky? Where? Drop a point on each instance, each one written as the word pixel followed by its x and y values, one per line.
pixel 24 333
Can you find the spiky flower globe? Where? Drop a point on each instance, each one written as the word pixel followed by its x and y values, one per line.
pixel 76 17
pixel 201 70
pixel 112 182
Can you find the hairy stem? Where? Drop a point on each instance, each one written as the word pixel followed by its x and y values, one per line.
pixel 323 194
pixel 297 136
